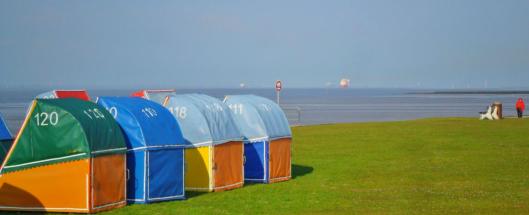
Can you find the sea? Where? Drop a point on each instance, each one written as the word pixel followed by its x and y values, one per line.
pixel 324 105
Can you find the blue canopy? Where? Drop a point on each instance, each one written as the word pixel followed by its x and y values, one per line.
pixel 4 131
pixel 204 120
pixel 145 123
pixel 155 159
pixel 258 117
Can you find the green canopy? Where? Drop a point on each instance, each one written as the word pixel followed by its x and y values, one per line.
pixel 60 130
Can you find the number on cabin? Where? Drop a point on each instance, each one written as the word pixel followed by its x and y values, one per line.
pixel 149 112
pixel 180 112
pixel 236 108
pixel 113 111
pixel 45 119
pixel 94 113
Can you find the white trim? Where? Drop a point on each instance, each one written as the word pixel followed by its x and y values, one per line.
pixel 110 204
pixel 282 137
pixel 217 142
pixel 214 143
pixel 184 171
pixel 135 200
pixel 201 144
pixel 107 150
pixel 136 149
pixel 156 147
pixel 42 209
pixel 41 161
pixel 167 197
pixel 265 161
pixel 231 185
pixel 257 139
pixel 145 170
pixel 255 179
pixel 198 189
pixel 284 177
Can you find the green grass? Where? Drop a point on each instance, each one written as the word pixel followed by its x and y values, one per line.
pixel 432 166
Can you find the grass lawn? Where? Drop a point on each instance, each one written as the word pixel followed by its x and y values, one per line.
pixel 432 166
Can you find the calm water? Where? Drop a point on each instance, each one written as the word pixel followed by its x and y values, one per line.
pixel 318 106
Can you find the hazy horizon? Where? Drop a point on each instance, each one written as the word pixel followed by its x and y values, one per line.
pixel 419 44
pixel 271 88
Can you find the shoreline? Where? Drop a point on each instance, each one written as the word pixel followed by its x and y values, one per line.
pixel 474 92
pixel 509 117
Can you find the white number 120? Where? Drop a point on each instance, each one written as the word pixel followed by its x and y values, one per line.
pixel 45 119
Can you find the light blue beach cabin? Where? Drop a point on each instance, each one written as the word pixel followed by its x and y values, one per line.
pixel 260 121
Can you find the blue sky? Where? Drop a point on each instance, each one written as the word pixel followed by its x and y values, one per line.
pixel 207 44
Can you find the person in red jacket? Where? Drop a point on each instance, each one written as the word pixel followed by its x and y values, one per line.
pixel 520 107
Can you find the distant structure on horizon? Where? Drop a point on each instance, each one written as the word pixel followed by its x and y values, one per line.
pixel 242 85
pixel 344 83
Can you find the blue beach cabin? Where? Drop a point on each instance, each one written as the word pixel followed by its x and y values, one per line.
pixel 155 149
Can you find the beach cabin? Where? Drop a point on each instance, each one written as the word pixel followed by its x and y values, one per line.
pixel 68 157
pixel 215 155
pixel 60 94
pixel 157 96
pixel 155 155
pixel 267 138
pixel 6 139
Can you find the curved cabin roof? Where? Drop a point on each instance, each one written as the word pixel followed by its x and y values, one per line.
pixel 61 130
pixel 272 122
pixel 145 123
pixel 204 120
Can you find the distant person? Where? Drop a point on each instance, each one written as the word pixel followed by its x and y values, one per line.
pixel 520 107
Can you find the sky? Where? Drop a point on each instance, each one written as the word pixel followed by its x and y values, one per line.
pixel 220 44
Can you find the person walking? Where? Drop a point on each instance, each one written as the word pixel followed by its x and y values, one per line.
pixel 520 107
